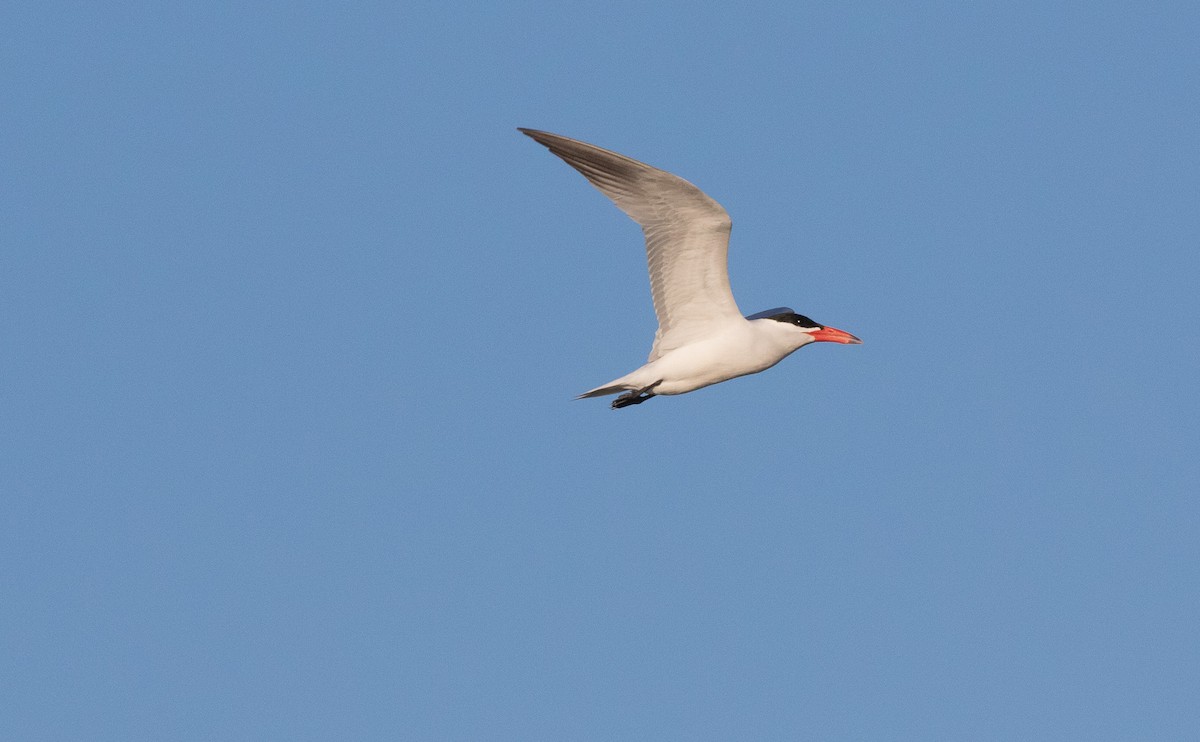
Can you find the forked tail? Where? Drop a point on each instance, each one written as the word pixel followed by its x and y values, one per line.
pixel 633 394
pixel 605 390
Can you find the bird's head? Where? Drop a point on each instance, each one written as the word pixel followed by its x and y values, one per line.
pixel 801 329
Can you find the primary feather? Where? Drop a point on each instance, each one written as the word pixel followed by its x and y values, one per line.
pixel 687 238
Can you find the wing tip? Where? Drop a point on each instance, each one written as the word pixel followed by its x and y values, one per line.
pixel 537 134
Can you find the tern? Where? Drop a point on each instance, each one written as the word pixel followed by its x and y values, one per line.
pixel 702 337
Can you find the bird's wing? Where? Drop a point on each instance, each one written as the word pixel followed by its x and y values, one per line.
pixel 687 238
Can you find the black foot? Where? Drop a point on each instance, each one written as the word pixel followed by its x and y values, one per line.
pixel 634 397
pixel 630 398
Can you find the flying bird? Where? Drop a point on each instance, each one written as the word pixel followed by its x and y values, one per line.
pixel 702 337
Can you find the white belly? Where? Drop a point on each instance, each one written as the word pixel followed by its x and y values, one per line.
pixel 716 359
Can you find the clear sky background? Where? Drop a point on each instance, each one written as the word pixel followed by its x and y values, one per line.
pixel 291 319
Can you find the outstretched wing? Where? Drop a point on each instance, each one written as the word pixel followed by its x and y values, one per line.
pixel 687 238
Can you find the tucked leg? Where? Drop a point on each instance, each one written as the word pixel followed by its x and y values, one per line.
pixel 635 397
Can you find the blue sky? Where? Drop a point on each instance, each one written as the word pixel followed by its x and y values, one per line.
pixel 292 318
